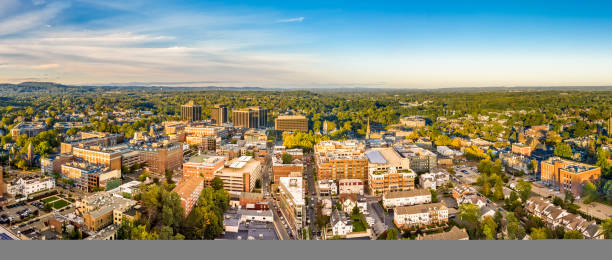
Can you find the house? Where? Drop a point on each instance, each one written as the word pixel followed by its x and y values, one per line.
pixel 555 216
pixel 473 199
pixel 341 223
pixel 454 234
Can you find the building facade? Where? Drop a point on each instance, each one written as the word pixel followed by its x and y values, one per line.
pixel 568 175
pixel 291 123
pixel 191 112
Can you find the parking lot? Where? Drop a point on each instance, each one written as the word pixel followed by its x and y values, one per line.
pixel 17 213
pixel 467 174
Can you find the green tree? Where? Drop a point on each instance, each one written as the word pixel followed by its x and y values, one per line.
pixel 286 158
pixel 564 150
pixel 573 234
pixel 540 233
pixel 489 228
pixel 486 189
pixel 524 188
pixel 606 228
pixel 168 175
pixel 514 228
pixel 216 183
pixel 470 214
pixel 391 234
pixel 434 195
pixel 498 193
pixel 589 192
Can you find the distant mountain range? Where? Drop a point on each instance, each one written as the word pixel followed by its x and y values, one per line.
pixel 51 87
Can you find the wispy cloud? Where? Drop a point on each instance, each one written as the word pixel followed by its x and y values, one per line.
pixel 291 20
pixel 28 20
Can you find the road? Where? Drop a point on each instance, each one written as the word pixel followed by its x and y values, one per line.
pixel 311 208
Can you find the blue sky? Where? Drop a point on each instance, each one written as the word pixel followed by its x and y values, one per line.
pixel 396 44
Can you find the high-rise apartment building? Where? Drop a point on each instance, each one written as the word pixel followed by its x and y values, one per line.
pixel 191 112
pixel 219 114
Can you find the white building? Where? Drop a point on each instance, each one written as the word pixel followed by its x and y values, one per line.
pixel 406 198
pixel 256 215
pixel 341 224
pixel 351 186
pixel 421 214
pixel 27 186
pixel 327 188
pixel 446 151
pixel 433 180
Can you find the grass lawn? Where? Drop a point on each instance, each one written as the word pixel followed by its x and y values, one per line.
pixel 58 204
pixel 49 199
pixel 358 224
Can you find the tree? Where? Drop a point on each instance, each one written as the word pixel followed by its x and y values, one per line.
pixel 564 150
pixel 434 195
pixel 169 175
pixel 514 228
pixel 355 211
pixel 569 197
pixel 589 192
pixel 524 188
pixel 540 233
pixel 287 158
pixel 498 193
pixel 258 184
pixel 606 228
pixel 486 189
pixel 489 228
pixel 392 234
pixel 573 234
pixel 470 213
pixel 216 183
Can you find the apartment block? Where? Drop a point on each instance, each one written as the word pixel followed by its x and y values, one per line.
pixel 291 200
pixel 391 180
pixel 189 189
pixel 337 160
pixel 161 156
pixel 98 209
pixel 420 215
pixel 406 198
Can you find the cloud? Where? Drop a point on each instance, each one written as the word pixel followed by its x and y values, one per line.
pixel 291 20
pixel 32 19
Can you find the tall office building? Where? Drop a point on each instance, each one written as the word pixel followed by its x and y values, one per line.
pixel 291 123
pixel 191 112
pixel 252 117
pixel 219 114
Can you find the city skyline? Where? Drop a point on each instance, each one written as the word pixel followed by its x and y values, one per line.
pixel 439 44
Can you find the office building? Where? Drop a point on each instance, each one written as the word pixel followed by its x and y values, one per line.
pixel 191 112
pixel 161 156
pixel 28 128
pixel 218 114
pixel 522 149
pixel 252 117
pixel 98 156
pixel 98 210
pixel 291 123
pixel 240 174
pixel 568 175
pixel 203 165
